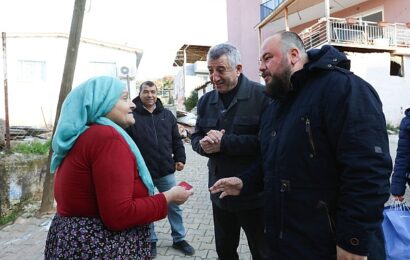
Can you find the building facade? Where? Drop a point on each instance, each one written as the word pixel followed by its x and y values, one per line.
pixel 374 34
pixel 34 67
pixel 193 72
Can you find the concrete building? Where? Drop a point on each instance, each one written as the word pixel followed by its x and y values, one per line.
pixel 374 34
pixel 35 63
pixel 193 71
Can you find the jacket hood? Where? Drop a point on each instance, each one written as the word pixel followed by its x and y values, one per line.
pixel 140 107
pixel 407 112
pixel 327 57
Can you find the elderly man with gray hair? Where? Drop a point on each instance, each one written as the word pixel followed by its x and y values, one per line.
pixel 226 132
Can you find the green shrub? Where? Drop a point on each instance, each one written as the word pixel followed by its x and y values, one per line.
pixel 392 128
pixel 191 101
pixel 32 148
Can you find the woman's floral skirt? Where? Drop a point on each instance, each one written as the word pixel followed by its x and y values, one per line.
pixel 87 238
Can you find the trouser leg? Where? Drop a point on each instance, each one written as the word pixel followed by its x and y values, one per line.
pixel 252 222
pixel 152 232
pixel 174 211
pixel 227 234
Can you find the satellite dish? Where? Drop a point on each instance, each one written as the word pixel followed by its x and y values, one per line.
pixel 124 70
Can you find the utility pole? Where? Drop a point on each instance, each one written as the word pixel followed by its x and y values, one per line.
pixel 6 98
pixel 47 202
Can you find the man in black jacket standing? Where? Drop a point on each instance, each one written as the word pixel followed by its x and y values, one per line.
pixel 227 133
pixel 156 133
pixel 325 153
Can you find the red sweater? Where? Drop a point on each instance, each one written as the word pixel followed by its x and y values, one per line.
pixel 99 178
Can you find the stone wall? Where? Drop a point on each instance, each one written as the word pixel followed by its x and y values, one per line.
pixel 2 133
pixel 21 181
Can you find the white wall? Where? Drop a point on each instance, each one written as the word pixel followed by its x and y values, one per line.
pixel 394 91
pixel 192 81
pixel 34 103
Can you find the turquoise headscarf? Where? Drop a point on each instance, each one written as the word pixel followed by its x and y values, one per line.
pixel 86 104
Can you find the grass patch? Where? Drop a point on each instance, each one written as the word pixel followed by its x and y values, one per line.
pixel 392 128
pixel 32 148
pixel 9 217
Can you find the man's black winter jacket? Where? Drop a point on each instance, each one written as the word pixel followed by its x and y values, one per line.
pixel 156 135
pixel 239 144
pixel 326 163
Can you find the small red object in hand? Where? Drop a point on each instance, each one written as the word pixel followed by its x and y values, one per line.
pixel 185 184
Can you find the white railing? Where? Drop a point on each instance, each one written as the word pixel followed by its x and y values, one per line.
pixel 356 33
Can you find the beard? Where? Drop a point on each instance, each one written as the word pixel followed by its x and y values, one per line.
pixel 279 85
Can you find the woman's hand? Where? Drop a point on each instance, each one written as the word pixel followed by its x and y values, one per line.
pixel 178 195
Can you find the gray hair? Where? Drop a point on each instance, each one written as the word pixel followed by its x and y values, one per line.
pixel 234 57
pixel 291 40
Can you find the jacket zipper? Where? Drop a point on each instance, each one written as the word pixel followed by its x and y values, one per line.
pixel 285 185
pixel 155 130
pixel 310 136
pixel 332 226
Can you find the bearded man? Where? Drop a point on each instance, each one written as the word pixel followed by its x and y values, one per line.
pixel 325 156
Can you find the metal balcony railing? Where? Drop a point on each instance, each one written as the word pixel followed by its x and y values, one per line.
pixel 355 33
pixel 267 7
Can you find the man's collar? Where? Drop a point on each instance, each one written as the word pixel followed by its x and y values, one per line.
pixel 154 106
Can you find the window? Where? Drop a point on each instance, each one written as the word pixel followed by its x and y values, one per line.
pixel 29 70
pixel 374 17
pixel 164 92
pixel 396 66
pixel 101 68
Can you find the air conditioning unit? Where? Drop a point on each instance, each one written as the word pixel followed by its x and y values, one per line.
pixel 125 71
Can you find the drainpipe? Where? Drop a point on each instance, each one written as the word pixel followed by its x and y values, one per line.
pixel 259 51
pixel 327 16
pixel 6 102
pixel 259 38
pixel 184 70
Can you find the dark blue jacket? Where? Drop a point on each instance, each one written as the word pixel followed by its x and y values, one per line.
pixel 402 163
pixel 239 144
pixel 156 135
pixel 326 162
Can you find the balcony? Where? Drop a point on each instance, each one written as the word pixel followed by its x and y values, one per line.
pixel 351 32
pixel 268 7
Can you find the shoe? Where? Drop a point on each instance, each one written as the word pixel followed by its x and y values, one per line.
pixel 153 249
pixel 184 247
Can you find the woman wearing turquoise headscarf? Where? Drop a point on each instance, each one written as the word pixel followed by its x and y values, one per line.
pixel 102 187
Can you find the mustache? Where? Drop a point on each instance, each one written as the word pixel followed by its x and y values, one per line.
pixel 264 74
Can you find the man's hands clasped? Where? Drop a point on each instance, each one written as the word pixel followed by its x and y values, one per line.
pixel 211 143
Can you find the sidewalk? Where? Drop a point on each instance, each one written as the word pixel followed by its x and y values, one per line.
pixel 25 239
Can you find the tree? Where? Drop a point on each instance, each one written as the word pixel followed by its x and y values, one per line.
pixel 191 101
pixel 47 200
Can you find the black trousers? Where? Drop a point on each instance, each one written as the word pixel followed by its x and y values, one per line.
pixel 227 225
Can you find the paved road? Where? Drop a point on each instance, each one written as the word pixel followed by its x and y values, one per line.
pixel 25 239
